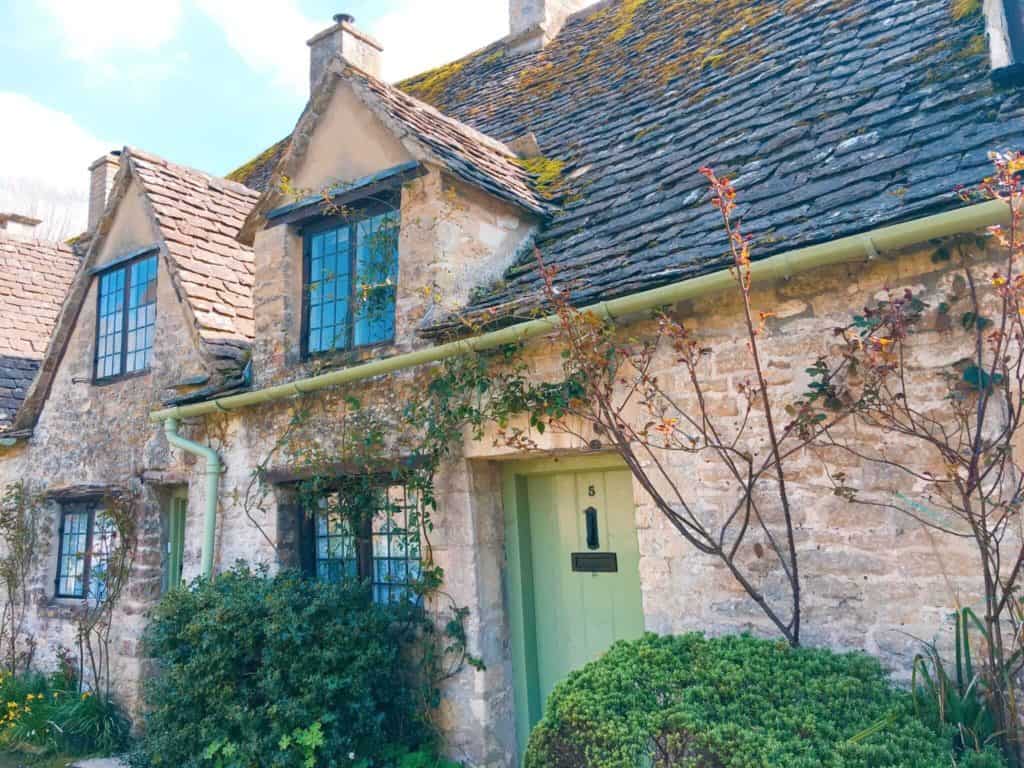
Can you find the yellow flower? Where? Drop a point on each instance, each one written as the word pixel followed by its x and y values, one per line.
pixel 86 695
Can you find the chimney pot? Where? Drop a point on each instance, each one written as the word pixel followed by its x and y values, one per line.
pixel 1004 28
pixel 355 46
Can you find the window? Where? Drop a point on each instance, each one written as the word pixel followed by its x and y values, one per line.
pixel 87 539
pixel 126 319
pixel 367 533
pixel 351 269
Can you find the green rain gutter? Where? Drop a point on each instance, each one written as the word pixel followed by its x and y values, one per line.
pixel 855 248
pixel 213 472
pixel 861 247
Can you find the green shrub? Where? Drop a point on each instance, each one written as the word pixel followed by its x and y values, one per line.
pixel 248 663
pixel 735 702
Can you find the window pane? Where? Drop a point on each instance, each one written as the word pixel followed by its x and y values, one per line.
pixel 328 290
pixel 335 544
pixel 141 314
pixel 376 277
pixel 74 543
pixel 104 542
pixel 110 324
pixel 395 532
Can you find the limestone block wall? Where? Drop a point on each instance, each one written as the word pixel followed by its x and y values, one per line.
pixel 872 579
pixel 89 435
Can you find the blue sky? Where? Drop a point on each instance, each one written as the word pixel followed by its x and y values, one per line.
pixel 207 83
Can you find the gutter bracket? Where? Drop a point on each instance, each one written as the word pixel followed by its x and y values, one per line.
pixel 869 248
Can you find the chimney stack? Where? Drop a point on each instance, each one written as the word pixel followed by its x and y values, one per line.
pixel 535 23
pixel 356 47
pixel 17 226
pixel 101 179
pixel 1004 27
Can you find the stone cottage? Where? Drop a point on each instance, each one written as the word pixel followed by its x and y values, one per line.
pixel 205 311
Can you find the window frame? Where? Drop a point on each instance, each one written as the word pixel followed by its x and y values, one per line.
pixel 99 274
pixel 366 209
pixel 67 508
pixel 363 543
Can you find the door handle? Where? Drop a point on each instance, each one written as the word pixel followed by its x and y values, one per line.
pixel 593 536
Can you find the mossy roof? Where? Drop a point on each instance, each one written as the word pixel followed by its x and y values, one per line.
pixel 833 116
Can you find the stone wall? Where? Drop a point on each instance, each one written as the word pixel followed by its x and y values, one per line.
pixel 872 580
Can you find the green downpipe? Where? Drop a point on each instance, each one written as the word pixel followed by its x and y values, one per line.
pixel 213 472
pixel 854 248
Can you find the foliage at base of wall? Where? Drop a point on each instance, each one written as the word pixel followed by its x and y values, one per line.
pixel 47 714
pixel 260 670
pixel 737 702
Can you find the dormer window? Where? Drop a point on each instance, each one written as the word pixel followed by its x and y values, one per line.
pixel 125 317
pixel 350 273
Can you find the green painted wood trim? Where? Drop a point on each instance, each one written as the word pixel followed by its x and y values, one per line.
pixel 577 462
pixel 177 515
pixel 519 576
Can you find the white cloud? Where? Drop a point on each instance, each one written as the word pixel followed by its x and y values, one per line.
pixel 270 37
pixel 92 30
pixel 44 161
pixel 418 35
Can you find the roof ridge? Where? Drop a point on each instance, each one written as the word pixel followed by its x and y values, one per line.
pixel 59 244
pixel 475 133
pixel 229 184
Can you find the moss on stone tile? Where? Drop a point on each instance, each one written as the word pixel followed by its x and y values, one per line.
pixel 546 173
pixel 962 9
pixel 242 172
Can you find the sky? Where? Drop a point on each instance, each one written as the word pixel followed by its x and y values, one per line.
pixel 205 83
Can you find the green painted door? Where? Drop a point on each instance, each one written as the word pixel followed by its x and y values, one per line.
pixel 174 536
pixel 581 526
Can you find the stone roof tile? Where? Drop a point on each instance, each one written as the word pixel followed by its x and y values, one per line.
pixel 199 216
pixel 835 117
pixel 34 279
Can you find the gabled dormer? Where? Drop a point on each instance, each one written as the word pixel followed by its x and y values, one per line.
pixel 161 305
pixel 381 214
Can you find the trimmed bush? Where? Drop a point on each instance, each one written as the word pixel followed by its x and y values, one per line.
pixel 735 702
pixel 274 671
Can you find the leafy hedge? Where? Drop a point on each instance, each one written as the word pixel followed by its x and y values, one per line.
pixel 735 702
pixel 280 671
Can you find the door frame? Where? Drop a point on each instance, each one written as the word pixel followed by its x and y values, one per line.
pixel 519 587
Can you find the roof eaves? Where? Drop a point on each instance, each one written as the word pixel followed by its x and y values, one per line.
pixel 312 206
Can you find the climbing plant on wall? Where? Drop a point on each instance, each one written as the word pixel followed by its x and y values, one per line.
pixel 950 435
pixel 23 537
pixel 113 555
